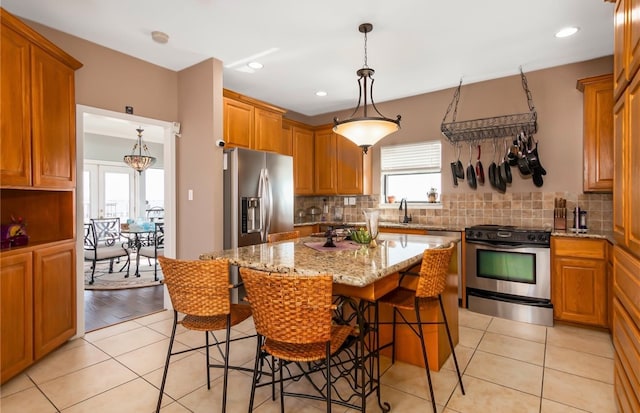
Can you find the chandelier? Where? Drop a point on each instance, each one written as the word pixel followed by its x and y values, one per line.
pixel 136 159
pixel 366 130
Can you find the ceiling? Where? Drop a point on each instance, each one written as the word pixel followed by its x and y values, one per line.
pixel 416 46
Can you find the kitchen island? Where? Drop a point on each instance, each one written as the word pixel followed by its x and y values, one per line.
pixel 365 273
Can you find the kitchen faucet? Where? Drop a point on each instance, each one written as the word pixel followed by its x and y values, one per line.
pixel 407 218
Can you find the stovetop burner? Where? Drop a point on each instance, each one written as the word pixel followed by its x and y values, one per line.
pixel 508 234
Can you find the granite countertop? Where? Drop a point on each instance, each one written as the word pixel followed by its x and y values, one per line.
pixel 358 267
pixel 385 224
pixel 608 235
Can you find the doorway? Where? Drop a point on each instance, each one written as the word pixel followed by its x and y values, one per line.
pixel 115 136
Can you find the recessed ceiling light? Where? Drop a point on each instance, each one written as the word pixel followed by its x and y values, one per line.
pixel 159 37
pixel 567 31
pixel 321 93
pixel 255 65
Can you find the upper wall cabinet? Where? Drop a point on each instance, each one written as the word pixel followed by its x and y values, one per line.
pixel 301 137
pixel 38 110
pixel 598 133
pixel 249 123
pixel 340 166
pixel 626 51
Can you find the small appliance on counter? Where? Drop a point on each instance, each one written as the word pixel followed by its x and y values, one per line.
pixel 579 220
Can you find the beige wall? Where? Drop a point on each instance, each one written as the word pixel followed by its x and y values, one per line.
pixel 557 101
pixel 199 159
pixel 112 80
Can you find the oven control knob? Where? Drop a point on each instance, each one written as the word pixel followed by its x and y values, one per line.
pixel 478 234
pixel 542 237
pixel 531 237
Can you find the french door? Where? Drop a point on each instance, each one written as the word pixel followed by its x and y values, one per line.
pixel 109 191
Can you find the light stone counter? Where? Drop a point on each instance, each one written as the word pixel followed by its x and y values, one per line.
pixel 356 268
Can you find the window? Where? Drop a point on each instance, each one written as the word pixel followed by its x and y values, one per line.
pixel 410 171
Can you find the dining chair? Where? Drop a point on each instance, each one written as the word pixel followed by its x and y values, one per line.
pixel 293 319
pixel 155 214
pixel 103 241
pixel 154 247
pixel 200 292
pixel 431 283
pixel 282 236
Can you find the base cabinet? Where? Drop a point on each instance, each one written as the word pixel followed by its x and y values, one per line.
pixel 16 314
pixel 54 292
pixel 579 287
pixel 38 307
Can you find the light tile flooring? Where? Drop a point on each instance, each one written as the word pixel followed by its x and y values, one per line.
pixel 508 367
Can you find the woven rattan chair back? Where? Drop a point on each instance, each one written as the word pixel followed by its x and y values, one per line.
pixel 290 308
pixel 433 272
pixel 282 236
pixel 197 287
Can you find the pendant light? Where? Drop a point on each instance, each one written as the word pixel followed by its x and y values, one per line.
pixel 136 159
pixel 366 130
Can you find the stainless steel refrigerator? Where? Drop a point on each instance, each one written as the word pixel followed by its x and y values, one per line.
pixel 258 196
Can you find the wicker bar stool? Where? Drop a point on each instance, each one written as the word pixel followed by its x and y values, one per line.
pixel 292 315
pixel 282 236
pixel 200 290
pixel 431 283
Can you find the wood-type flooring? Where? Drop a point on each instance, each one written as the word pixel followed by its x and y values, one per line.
pixel 106 307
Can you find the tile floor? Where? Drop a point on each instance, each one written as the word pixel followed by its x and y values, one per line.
pixel 508 367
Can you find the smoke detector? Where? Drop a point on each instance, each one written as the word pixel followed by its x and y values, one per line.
pixel 159 37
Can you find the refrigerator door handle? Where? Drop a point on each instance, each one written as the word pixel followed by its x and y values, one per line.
pixel 269 202
pixel 262 188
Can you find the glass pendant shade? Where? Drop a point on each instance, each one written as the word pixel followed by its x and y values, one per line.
pixel 137 160
pixel 365 131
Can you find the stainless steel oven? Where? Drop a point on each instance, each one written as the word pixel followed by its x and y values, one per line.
pixel 508 272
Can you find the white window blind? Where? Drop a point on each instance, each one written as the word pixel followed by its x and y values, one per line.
pixel 423 156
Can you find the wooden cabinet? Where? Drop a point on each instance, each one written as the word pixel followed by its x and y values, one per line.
pixel 306 230
pixel 626 51
pixel 326 162
pixel 38 112
pixel 268 131
pixel 340 165
pixel 626 204
pixel 598 133
pixel 626 199
pixel 626 331
pixel 37 183
pixel 237 123
pixel 352 177
pixel 286 140
pixel 249 123
pixel 16 314
pixel 579 280
pixel 303 160
pixel 54 295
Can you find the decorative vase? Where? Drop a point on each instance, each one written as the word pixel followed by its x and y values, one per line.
pixel 371 218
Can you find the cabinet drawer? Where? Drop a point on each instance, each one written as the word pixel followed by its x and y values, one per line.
pixel 579 248
pixel 626 283
pixel 626 339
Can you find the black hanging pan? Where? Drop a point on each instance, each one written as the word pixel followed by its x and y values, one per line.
pixel 454 173
pixel 459 166
pixel 471 173
pixel 479 168
pixel 505 169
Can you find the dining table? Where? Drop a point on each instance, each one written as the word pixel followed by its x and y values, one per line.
pixel 365 274
pixel 137 236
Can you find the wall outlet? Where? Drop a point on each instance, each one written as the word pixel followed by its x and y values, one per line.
pixel 352 200
pixel 346 200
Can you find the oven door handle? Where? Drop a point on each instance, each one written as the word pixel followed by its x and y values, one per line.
pixel 507 246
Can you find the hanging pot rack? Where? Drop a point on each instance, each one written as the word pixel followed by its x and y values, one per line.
pixel 489 128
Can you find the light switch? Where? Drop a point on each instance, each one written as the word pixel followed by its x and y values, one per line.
pixel 346 200
pixel 190 194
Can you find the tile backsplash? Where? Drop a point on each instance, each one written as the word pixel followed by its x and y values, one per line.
pixel 528 209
